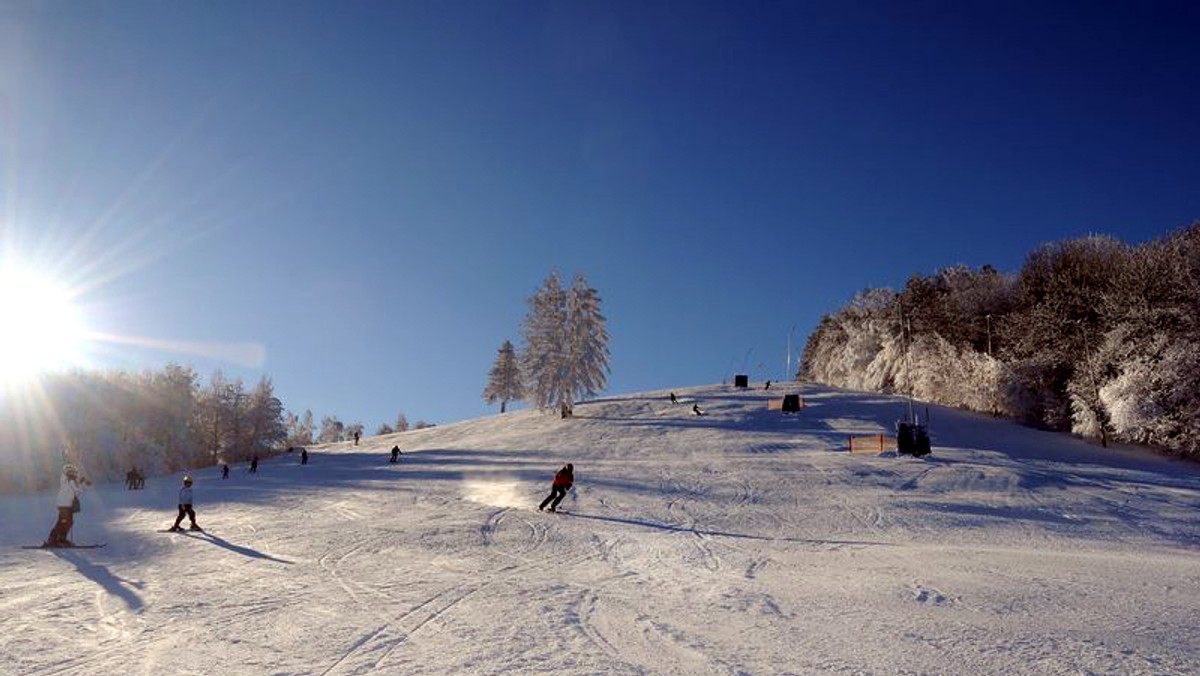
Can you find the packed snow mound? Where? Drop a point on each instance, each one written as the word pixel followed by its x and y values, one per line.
pixel 743 541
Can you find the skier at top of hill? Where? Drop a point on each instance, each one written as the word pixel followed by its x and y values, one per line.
pixel 70 485
pixel 356 435
pixel 768 385
pixel 673 399
pixel 563 480
pixel 185 505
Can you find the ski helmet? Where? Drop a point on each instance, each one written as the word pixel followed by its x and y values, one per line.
pixel 70 471
pixel 187 481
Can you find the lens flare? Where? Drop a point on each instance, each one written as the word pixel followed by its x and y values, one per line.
pixel 42 328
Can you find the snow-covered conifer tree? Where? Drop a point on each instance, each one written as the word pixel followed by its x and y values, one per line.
pixel 544 355
pixel 587 342
pixel 504 380
pixel 566 344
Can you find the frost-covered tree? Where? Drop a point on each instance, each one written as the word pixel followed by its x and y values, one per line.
pixel 587 342
pixel 158 421
pixel 331 430
pixel 383 429
pixel 1091 336
pixel 264 419
pixel 543 358
pixel 300 429
pixel 504 380
pixel 401 422
pixel 565 355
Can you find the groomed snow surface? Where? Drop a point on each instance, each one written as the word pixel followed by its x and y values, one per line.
pixel 741 542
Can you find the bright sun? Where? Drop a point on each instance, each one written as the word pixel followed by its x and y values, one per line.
pixel 42 328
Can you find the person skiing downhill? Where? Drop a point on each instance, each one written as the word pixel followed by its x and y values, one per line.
pixel 563 480
pixel 395 454
pixel 696 409
pixel 185 506
pixel 225 470
pixel 70 485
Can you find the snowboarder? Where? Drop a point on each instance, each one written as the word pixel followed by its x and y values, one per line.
pixel 563 480
pixel 304 456
pixel 254 465
pixel 225 470
pixel 356 435
pixel 696 409
pixel 673 399
pixel 395 454
pixel 70 485
pixel 185 506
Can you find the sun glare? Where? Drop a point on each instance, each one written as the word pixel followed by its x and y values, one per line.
pixel 42 328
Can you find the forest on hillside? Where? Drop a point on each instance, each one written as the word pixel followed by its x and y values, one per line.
pixel 159 421
pixel 1091 336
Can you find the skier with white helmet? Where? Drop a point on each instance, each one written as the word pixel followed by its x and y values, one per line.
pixel 70 485
pixel 185 506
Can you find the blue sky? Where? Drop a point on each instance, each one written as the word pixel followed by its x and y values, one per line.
pixel 370 191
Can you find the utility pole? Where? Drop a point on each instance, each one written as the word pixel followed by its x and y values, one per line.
pixel 789 373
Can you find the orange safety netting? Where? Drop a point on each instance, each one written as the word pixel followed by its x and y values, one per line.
pixel 874 443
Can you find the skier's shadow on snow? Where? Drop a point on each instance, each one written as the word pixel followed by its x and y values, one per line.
pixel 102 576
pixel 237 549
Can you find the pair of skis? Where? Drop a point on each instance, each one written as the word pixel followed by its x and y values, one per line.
pixel 44 546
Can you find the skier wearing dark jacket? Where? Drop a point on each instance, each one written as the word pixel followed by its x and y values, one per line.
pixel 563 480
pixel 185 505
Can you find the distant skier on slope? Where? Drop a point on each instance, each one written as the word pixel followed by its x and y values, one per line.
pixel 563 480
pixel 185 506
pixel 696 409
pixel 254 464
pixel 70 485
pixel 304 456
pixel 768 386
pixel 224 470
pixel 395 454
pixel 674 400
pixel 356 435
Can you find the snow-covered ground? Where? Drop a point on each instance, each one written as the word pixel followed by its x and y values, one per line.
pixel 742 542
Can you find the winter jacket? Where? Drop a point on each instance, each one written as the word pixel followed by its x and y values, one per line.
pixel 68 490
pixel 185 495
pixel 564 478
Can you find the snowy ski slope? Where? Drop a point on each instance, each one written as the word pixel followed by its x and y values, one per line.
pixel 742 542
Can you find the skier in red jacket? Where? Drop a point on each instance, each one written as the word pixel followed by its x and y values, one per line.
pixel 563 480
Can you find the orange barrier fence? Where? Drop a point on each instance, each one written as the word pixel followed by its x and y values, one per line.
pixel 874 443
